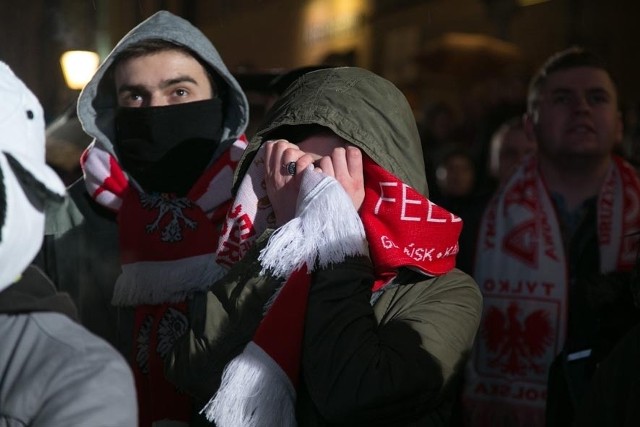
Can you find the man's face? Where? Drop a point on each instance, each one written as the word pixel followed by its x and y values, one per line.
pixel 159 79
pixel 456 177
pixel 577 114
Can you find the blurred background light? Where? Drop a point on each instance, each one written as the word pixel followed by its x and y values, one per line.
pixel 78 66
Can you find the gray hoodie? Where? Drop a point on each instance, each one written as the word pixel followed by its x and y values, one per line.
pixel 97 103
pixel 55 373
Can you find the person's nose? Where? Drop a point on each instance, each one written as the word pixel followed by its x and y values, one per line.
pixel 157 100
pixel 581 105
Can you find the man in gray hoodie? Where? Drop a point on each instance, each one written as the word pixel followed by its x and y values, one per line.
pixel 135 240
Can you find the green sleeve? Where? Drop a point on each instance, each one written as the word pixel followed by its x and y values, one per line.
pixel 222 321
pixel 389 363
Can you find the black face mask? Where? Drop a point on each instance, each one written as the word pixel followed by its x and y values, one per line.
pixel 166 149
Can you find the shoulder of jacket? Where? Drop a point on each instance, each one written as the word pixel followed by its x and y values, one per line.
pixel 77 208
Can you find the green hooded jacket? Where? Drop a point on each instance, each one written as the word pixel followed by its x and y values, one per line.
pixel 393 360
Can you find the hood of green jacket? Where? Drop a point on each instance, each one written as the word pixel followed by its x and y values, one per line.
pixel 97 103
pixel 359 106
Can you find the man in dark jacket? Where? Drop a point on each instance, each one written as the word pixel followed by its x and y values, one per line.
pixel 136 238
pixel 54 372
pixel 564 217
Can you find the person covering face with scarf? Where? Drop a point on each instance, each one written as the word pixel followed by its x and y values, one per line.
pixel 342 305
pixel 168 121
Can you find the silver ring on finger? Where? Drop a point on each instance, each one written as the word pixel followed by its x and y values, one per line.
pixel 290 168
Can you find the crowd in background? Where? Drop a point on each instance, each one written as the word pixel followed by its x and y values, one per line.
pixel 165 243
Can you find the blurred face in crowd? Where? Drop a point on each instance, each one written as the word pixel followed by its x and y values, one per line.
pixel 514 146
pixel 456 176
pixel 162 78
pixel 576 114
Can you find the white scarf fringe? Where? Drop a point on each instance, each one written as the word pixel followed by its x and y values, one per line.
pixel 255 392
pixel 158 282
pixel 327 229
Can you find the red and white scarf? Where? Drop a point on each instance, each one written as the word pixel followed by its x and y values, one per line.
pixel 522 272
pixel 397 226
pixel 167 250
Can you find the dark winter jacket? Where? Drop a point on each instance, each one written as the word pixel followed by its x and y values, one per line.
pixel 54 372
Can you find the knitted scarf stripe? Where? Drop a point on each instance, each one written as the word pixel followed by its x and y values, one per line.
pixel 107 183
pixel 103 176
pixel 522 272
pixel 167 244
pixel 397 225
pixel 388 203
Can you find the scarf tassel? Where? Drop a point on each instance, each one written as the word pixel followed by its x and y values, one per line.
pixel 327 229
pixel 255 391
pixel 258 387
pixel 158 282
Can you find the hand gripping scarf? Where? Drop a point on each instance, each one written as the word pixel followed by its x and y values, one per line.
pixel 521 270
pixel 167 250
pixel 396 225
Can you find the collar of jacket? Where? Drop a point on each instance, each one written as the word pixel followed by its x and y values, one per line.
pixel 34 292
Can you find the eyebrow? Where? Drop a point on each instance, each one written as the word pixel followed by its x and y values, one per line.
pixel 163 85
pixel 178 80
pixel 599 90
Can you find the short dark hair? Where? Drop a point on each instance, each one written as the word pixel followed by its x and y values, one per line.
pixel 572 57
pixel 151 46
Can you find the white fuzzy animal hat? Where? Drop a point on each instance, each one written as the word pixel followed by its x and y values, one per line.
pixel 27 184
